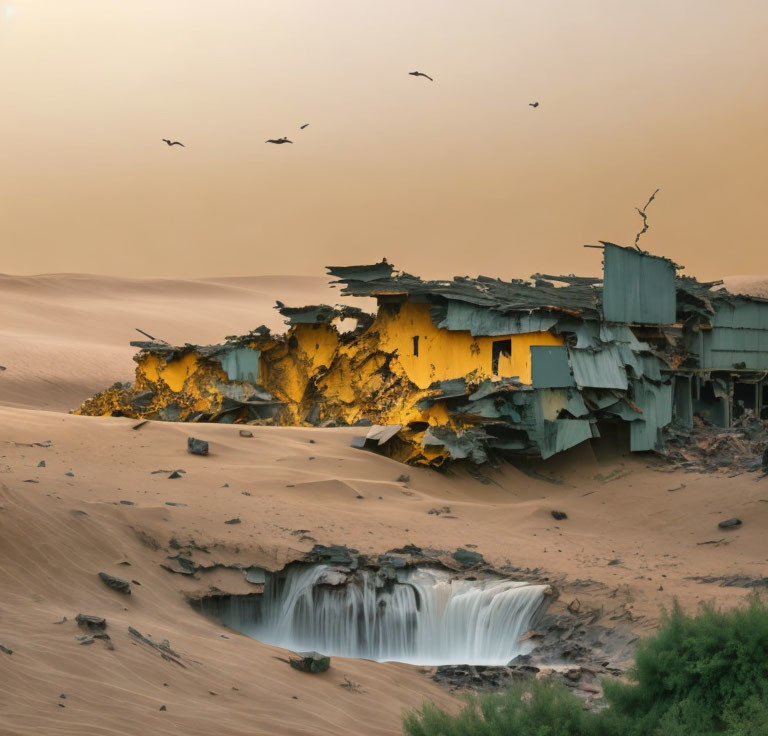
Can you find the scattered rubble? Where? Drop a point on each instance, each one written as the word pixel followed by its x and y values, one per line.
pixel 313 662
pixel 730 524
pixel 118 584
pixel 91 638
pixel 94 623
pixel 197 447
pixel 733 581
pixel 707 448
pixel 163 647
pixel 467 558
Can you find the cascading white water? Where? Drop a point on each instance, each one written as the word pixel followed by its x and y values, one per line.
pixel 424 618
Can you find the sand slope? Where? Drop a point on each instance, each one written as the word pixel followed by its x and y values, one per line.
pixel 60 531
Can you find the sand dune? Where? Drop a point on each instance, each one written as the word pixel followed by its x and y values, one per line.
pixel 63 337
pixel 749 285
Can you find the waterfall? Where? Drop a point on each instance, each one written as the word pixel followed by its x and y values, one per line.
pixel 423 617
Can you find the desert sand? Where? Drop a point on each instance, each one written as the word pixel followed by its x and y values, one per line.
pixel 63 337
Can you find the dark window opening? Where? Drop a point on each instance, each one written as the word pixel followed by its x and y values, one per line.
pixel 416 345
pixel 500 347
pixel 764 403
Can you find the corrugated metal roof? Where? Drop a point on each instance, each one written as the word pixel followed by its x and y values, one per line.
pixel 638 287
pixel 483 321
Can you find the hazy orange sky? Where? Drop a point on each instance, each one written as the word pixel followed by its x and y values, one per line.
pixel 459 176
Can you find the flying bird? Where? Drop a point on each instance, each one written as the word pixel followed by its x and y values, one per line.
pixel 421 74
pixel 278 140
pixel 533 104
pixel 301 127
pixel 173 143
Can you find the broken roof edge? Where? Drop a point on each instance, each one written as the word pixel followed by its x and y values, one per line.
pixel 322 313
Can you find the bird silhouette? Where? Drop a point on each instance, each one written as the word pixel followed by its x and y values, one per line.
pixel 278 140
pixel 533 104
pixel 301 127
pixel 421 74
pixel 173 143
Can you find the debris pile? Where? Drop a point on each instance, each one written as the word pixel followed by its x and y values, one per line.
pixel 709 449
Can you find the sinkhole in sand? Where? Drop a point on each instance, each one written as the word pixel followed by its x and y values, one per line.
pixel 418 616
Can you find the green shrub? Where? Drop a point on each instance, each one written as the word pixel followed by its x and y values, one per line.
pixel 695 673
pixel 528 709
pixel 697 676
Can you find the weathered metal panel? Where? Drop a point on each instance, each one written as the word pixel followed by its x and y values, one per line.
pixel 655 401
pixel 549 367
pixel 563 434
pixel 576 405
pixel 683 401
pixel 739 336
pixel 241 364
pixel 598 368
pixel 551 402
pixel 483 321
pixel 637 287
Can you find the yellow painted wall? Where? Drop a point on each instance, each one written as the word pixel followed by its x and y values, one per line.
pixel 445 354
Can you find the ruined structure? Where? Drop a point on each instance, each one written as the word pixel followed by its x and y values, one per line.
pixel 470 368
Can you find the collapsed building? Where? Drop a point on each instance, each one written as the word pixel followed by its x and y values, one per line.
pixel 474 368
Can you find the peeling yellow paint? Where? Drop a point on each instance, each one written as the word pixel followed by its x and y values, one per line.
pixel 444 354
pixel 317 375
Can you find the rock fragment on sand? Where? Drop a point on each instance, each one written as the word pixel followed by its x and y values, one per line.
pixel 246 433
pixel 733 523
pixel 5 649
pixel 118 584
pixel 41 464
pixel 174 503
pixel 466 558
pixel 196 447
pixel 94 623
pixel 312 662
pixel 232 521
pixel 403 478
pixel 174 474
pixel 162 707
pixel 559 515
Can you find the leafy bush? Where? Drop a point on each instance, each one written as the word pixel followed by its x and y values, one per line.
pixel 528 709
pixel 697 676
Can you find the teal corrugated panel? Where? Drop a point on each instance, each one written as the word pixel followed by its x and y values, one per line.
pixel 638 287
pixel 598 369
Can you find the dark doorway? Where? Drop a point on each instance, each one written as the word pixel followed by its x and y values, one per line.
pixel 744 397
pixel 500 347
pixel 416 345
